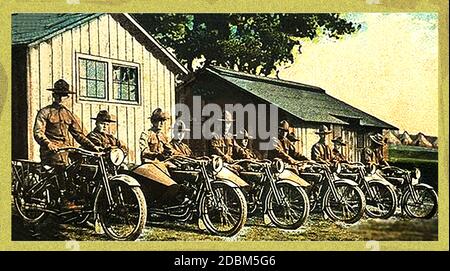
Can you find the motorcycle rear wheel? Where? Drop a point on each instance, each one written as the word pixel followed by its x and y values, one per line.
pixel 29 214
pixel 228 216
pixel 293 210
pixel 126 219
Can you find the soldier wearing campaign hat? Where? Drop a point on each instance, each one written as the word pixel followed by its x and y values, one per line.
pixel 179 131
pixel 52 127
pixel 100 135
pixel 337 155
pixel 283 147
pixel 374 154
pixel 242 151
pixel 224 144
pixel 321 151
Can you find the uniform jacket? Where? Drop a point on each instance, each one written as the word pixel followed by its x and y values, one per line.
pixel 223 146
pixel 244 153
pixel 105 140
pixel 338 156
pixel 154 145
pixel 286 151
pixel 180 148
pixel 52 125
pixel 373 156
pixel 321 152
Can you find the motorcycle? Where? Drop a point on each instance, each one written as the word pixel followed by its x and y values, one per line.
pixel 217 203
pixel 381 198
pixel 342 199
pixel 417 200
pixel 277 190
pixel 115 200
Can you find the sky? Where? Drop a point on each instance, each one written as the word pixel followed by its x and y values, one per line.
pixel 388 69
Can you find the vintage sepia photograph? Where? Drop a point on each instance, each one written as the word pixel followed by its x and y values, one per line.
pixel 218 128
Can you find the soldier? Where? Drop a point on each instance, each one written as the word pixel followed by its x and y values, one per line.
pixel 242 150
pixel 374 154
pixel 100 136
pixel 153 144
pixel 51 131
pixel 283 147
pixel 321 152
pixel 223 145
pixel 179 147
pixel 336 153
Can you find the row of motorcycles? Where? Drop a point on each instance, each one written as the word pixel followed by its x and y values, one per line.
pixel 216 195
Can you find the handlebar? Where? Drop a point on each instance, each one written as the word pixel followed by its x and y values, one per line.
pixel 189 159
pixel 81 151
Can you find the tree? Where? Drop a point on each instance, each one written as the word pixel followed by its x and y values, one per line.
pixel 254 43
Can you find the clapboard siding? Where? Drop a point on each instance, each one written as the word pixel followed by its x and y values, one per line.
pixel 103 37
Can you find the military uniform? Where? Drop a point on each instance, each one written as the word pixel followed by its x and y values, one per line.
pixel 374 156
pixel 223 146
pixel 321 152
pixel 244 153
pixel 286 151
pixel 105 140
pixel 154 146
pixel 338 156
pixel 52 126
pixel 180 148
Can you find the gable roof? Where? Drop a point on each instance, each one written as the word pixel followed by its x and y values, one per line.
pixel 32 28
pixel 306 102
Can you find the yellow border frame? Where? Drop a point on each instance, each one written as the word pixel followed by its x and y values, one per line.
pixel 216 6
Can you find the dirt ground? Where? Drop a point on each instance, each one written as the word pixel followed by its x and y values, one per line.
pixel 316 228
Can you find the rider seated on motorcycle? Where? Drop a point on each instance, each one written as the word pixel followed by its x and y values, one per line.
pixel 283 148
pixel 180 148
pixel 51 131
pixel 155 149
pixel 321 151
pixel 100 135
pixel 241 149
pixel 374 154
pixel 224 144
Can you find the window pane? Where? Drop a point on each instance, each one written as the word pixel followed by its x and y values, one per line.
pixel 91 69
pixel 125 83
pixel 124 92
pixel 116 74
pixel 101 89
pixel 116 91
pixel 132 93
pixel 82 68
pixel 91 89
pixel 101 70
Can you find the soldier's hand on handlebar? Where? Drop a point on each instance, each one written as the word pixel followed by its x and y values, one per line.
pixel 98 149
pixel 53 147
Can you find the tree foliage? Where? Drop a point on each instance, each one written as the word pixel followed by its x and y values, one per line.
pixel 254 43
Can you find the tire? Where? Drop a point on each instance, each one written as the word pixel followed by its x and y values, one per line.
pixel 27 179
pixel 126 220
pixel 384 204
pixel 425 207
pixel 349 211
pixel 293 211
pixel 229 216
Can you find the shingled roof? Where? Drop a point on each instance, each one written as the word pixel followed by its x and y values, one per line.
pixel 306 102
pixel 32 28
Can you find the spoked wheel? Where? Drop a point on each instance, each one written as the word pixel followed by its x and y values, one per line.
pixel 293 209
pixel 126 218
pixel 347 206
pixel 383 201
pixel 227 215
pixel 27 202
pixel 424 206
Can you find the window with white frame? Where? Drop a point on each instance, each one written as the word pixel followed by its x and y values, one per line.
pixel 109 80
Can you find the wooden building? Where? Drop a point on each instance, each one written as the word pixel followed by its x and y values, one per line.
pixel 108 59
pixel 305 107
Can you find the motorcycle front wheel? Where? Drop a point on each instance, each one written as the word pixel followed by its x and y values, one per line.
pixel 125 219
pixel 425 206
pixel 347 205
pixel 383 201
pixel 292 210
pixel 227 215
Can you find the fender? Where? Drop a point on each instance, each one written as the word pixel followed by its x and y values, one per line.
pixel 125 179
pixel 382 181
pixel 227 182
pixel 226 174
pixel 347 181
pixel 291 176
pixel 427 186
